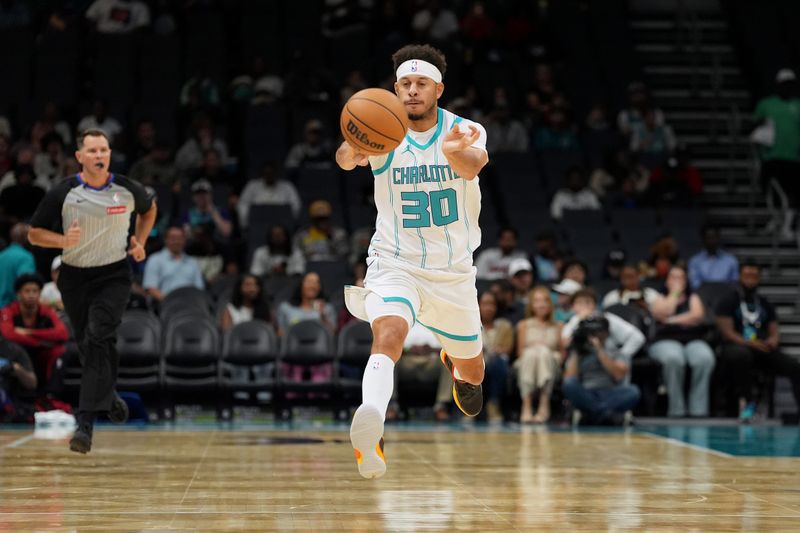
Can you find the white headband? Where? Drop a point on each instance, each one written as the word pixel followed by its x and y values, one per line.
pixel 418 67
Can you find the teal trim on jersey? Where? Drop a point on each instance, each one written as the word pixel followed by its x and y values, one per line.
pixel 446 232
pixel 465 338
pixel 439 120
pixel 385 165
pixel 456 121
pixel 391 202
pixel 404 301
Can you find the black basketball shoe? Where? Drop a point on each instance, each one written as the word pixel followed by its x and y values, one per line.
pixel 118 413
pixel 468 397
pixel 81 441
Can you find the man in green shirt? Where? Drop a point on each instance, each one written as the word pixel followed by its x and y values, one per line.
pixel 781 159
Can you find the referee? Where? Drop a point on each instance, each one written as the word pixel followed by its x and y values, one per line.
pixel 89 216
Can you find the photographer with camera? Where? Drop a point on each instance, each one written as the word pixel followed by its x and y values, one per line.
pixel 601 347
pixel 17 380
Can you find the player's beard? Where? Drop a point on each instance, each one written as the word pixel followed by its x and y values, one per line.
pixel 425 114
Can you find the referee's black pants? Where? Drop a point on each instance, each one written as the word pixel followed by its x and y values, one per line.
pixel 94 299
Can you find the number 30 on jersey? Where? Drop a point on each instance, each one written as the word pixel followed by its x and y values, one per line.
pixel 421 207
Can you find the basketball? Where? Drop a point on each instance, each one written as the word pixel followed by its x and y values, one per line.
pixel 374 121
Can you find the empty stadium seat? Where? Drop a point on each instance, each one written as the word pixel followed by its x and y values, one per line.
pixel 354 349
pixel 191 354
pixel 139 347
pixel 253 347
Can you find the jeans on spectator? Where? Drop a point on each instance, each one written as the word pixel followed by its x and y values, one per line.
pixel 599 404
pixel 496 380
pixel 674 356
pixel 740 361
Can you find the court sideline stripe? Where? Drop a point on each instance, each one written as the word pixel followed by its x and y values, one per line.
pixel 687 445
pixel 19 442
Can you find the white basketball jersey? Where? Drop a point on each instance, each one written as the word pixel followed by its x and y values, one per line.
pixel 427 214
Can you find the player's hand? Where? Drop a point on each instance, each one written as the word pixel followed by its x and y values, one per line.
pixel 73 235
pixel 136 250
pixel 457 140
pixel 352 154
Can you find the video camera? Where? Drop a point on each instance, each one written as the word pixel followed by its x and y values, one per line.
pixel 591 326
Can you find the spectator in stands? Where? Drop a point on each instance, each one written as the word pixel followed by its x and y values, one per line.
pixel 504 133
pixel 24 160
pixel 663 254
pixel 507 306
pixel 477 26
pixel 575 269
pixel 51 295
pixel 498 343
pixel 545 95
pixel 558 132
pixel 118 16
pixel 34 326
pixel 596 375
pixel 202 247
pixel 493 263
pixel 576 195
pixel 171 268
pixel 190 156
pixel 278 257
pixel 679 341
pixel 652 141
pixel 6 161
pixel 638 104
pixel 247 303
pixel 212 170
pixel 599 136
pixel 520 274
pixel 678 178
pixel 307 303
pixel 200 92
pixel 50 121
pixel 778 133
pixel 630 291
pixel 144 140
pixel 19 201
pixel 547 257
pixel 539 356
pixel 15 260
pixel 322 241
pixel 17 382
pixel 156 168
pixel 268 189
pixel 421 363
pixel 204 213
pixel 435 23
pixel 751 340
pixel 354 83
pixel 713 263
pixel 314 151
pixel 613 263
pixel 620 170
pixel 50 161
pixel 561 296
pixel 99 119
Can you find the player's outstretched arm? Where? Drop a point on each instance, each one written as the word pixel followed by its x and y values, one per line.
pixel 464 159
pixel 348 157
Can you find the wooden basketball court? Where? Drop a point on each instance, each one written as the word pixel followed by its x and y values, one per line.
pixel 451 478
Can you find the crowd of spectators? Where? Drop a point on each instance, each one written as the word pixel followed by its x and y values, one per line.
pixel 207 180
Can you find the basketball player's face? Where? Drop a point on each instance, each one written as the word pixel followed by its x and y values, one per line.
pixel 419 95
pixel 95 155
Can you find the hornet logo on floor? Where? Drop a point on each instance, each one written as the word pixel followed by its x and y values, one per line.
pixel 362 137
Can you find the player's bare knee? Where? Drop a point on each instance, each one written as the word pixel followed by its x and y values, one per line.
pixel 388 335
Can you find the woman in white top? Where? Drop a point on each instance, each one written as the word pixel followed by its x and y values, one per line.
pixel 247 303
pixel 277 257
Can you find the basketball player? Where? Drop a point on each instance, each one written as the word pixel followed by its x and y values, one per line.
pixel 95 207
pixel 420 257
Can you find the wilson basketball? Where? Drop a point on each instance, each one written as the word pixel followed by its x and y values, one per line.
pixel 374 121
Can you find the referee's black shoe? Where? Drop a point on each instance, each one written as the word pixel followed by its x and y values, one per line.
pixel 468 397
pixel 118 414
pixel 81 441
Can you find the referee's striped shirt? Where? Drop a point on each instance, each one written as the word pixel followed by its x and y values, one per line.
pixel 103 214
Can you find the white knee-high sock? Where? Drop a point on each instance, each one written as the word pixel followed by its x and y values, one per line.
pixel 378 382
